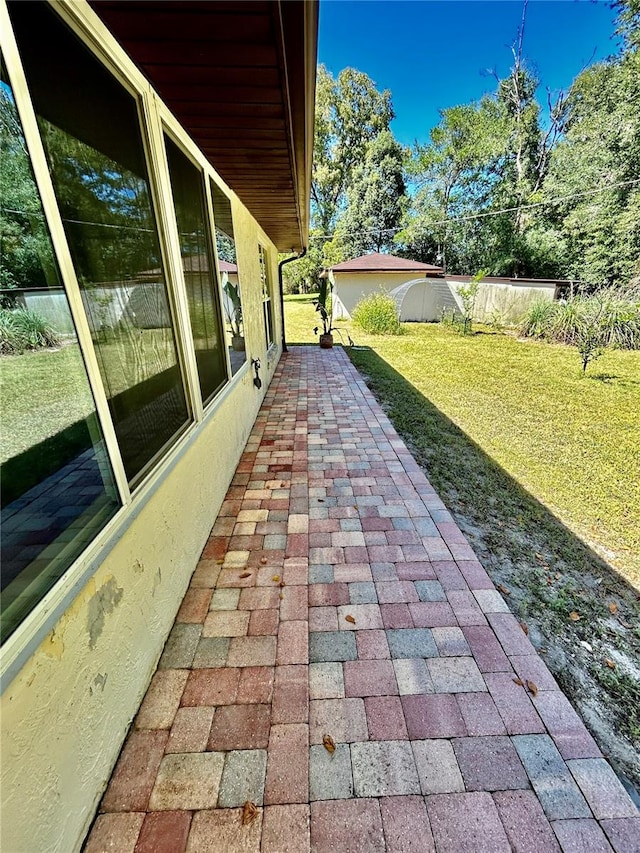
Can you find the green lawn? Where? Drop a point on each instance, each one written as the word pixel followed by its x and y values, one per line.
pixel 541 429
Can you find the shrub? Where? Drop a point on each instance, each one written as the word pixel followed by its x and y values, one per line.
pixel 536 322
pixel 377 314
pixel 621 319
pixel 11 339
pixel 616 315
pixel 22 329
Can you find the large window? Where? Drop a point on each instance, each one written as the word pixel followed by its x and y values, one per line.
pixel 199 269
pixel 91 134
pixel 228 263
pixel 58 489
pixel 267 300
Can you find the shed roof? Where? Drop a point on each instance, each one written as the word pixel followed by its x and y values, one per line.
pixel 240 77
pixel 379 262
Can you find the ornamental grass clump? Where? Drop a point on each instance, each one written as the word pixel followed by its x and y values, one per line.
pixel 377 314
pixel 22 329
pixel 616 314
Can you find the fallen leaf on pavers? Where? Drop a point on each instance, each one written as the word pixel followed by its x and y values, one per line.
pixel 350 618
pixel 574 616
pixel 355 506
pixel 503 589
pixel 525 628
pixel 219 562
pixel 281 584
pixel 245 575
pixel 263 561
pixel 532 687
pixel 329 744
pixel 610 663
pixel 518 681
pixel 613 608
pixel 275 578
pixel 281 597
pixel 249 813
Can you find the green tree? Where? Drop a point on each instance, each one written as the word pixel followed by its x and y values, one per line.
pixel 350 112
pixel 376 199
pixel 600 152
pixel 455 172
pixel 628 21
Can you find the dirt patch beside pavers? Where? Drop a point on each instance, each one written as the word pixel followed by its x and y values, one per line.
pixel 596 658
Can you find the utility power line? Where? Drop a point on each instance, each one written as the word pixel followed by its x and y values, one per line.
pixel 484 214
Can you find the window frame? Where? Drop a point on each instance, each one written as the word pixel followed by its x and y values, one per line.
pixel 209 228
pixel 170 125
pixel 267 297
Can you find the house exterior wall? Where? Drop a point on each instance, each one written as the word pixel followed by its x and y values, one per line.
pixel 75 670
pixel 428 298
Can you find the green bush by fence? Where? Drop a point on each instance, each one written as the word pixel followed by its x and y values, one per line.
pixel 377 314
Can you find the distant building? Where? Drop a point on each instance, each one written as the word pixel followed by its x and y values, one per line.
pixel 424 291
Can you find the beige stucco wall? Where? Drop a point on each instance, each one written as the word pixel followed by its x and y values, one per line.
pixel 425 300
pixel 350 288
pixel 66 714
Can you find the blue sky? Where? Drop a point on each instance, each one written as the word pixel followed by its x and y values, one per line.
pixel 432 54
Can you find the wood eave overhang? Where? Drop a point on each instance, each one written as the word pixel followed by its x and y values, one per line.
pixel 240 78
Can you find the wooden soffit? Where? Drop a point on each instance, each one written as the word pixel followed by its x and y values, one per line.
pixel 240 78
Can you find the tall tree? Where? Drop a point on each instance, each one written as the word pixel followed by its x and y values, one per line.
pixel 376 199
pixel 478 176
pixel 350 112
pixel 594 172
pixel 454 173
pixel 628 21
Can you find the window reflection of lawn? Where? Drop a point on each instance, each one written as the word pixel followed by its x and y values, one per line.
pixel 42 393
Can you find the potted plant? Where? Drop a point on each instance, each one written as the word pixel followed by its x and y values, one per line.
pixel 233 310
pixel 323 307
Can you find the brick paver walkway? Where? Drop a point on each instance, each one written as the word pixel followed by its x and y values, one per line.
pixel 336 596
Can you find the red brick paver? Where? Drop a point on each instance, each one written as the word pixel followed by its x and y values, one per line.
pixel 336 596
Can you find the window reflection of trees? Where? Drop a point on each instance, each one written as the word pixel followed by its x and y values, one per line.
pixel 200 278
pixel 25 247
pixel 107 213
